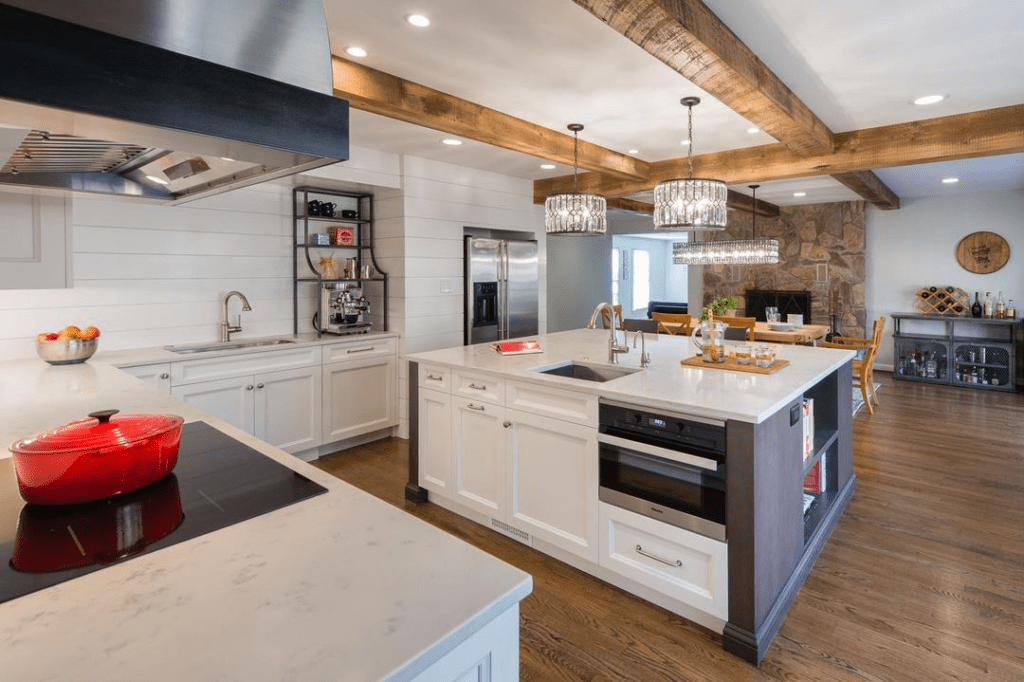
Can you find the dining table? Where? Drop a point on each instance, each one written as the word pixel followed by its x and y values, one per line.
pixel 806 334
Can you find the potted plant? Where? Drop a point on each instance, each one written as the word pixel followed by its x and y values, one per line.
pixel 721 306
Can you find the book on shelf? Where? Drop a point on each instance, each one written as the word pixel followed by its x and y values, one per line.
pixel 808 501
pixel 518 347
pixel 808 427
pixel 814 480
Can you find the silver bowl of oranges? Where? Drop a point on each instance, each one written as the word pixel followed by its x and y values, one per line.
pixel 69 346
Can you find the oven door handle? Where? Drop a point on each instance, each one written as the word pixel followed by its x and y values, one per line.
pixel 664 453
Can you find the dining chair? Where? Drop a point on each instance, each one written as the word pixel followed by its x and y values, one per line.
pixel 680 323
pixel 863 363
pixel 744 322
pixel 606 321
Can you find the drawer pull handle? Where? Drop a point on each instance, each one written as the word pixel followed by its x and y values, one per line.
pixel 259 385
pixel 431 377
pixel 478 388
pixel 165 375
pixel 358 350
pixel 507 424
pixel 249 387
pixel 478 408
pixel 677 563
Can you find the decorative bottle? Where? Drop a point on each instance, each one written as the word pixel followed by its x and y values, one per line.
pixel 1000 306
pixel 976 308
pixel 990 307
pixel 1011 312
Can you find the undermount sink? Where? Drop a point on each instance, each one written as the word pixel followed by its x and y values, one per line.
pixel 227 345
pixel 588 372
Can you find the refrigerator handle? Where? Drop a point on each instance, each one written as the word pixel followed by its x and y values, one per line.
pixel 502 311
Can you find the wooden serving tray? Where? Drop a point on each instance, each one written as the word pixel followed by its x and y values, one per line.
pixel 731 364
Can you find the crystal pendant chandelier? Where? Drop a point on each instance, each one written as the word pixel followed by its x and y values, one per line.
pixel 690 203
pixel 732 252
pixel 575 213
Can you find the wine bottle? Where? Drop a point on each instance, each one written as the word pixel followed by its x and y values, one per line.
pixel 1000 306
pixel 990 306
pixel 976 308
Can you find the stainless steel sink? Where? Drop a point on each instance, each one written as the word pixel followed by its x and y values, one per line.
pixel 588 372
pixel 228 345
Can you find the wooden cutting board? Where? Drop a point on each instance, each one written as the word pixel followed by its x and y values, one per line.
pixel 731 364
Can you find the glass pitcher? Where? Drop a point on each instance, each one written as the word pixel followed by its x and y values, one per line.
pixel 712 340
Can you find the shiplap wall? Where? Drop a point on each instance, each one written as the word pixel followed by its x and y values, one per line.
pixel 152 275
pixel 421 245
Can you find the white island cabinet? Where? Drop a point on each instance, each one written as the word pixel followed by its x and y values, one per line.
pixel 341 586
pixel 504 443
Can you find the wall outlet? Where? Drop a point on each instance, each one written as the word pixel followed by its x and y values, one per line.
pixel 446 286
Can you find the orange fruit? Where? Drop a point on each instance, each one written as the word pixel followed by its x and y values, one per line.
pixel 67 333
pixel 89 333
pixel 71 329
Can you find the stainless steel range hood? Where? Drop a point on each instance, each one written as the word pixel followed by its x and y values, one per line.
pixel 167 100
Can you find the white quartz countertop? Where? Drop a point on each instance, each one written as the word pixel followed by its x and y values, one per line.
pixel 664 384
pixel 342 586
pixel 148 356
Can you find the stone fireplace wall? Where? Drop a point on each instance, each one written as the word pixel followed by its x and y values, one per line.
pixel 829 235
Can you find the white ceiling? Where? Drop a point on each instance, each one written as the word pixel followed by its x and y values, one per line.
pixel 551 62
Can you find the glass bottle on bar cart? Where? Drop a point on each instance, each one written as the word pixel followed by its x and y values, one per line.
pixel 1000 306
pixel 990 308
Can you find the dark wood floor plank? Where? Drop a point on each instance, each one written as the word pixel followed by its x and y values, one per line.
pixel 922 581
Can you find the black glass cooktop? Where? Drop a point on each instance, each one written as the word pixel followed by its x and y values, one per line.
pixel 217 482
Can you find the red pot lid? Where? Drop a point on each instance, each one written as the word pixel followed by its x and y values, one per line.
pixel 101 430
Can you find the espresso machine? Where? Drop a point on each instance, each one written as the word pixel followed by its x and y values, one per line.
pixel 343 308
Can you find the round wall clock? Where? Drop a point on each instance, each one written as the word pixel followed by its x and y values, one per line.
pixel 982 252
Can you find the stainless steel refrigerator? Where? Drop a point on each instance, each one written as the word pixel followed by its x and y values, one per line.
pixel 501 289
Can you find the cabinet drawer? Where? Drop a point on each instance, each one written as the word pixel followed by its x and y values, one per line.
pixel 679 564
pixel 364 348
pixel 193 371
pixel 435 377
pixel 475 386
pixel 580 408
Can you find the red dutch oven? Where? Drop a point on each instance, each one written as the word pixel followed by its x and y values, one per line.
pixel 96 458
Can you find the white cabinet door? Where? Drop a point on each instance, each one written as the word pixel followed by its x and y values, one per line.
pixel 288 408
pixel 435 451
pixel 359 397
pixel 478 452
pixel 157 376
pixel 36 251
pixel 552 481
pixel 232 400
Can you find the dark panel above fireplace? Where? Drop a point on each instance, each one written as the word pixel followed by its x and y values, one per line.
pixel 796 302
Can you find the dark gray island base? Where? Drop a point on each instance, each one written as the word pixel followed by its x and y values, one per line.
pixel 772 541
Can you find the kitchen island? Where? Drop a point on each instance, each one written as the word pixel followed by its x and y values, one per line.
pixel 504 441
pixel 341 586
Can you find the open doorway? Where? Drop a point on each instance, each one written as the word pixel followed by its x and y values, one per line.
pixel 642 271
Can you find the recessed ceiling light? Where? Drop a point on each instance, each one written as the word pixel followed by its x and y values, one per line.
pixel 799 194
pixel 929 99
pixel 159 181
pixel 355 51
pixel 753 130
pixel 950 181
pixel 548 166
pixel 225 158
pixel 451 142
pixel 634 151
pixel 685 143
pixel 418 20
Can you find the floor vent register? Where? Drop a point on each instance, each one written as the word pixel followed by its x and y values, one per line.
pixel 512 532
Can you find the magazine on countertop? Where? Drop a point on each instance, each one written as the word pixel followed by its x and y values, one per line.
pixel 518 347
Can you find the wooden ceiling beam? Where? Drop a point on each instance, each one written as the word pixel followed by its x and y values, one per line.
pixel 381 93
pixel 871 188
pixel 963 136
pixel 689 38
pixel 735 200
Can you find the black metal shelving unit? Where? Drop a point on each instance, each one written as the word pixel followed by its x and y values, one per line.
pixel 362 243
pixel 967 351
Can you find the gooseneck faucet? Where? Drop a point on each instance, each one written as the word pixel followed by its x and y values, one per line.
pixel 645 359
pixel 613 348
pixel 226 330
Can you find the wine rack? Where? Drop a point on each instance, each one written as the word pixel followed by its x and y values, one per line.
pixel 948 301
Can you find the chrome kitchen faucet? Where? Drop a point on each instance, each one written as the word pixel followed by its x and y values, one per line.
pixel 226 330
pixel 613 348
